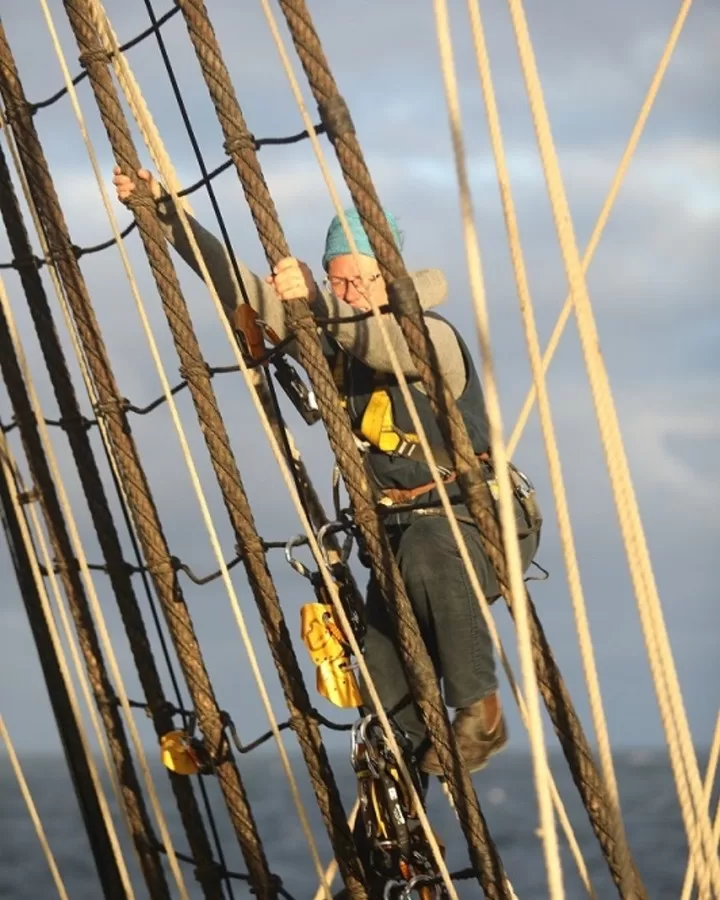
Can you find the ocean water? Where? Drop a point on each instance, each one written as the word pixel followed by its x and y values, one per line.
pixel 505 790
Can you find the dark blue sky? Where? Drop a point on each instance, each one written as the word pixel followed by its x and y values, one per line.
pixel 653 285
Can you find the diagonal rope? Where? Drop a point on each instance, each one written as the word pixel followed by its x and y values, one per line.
pixel 415 658
pixel 507 518
pixel 100 182
pixel 94 490
pixel 13 478
pixel 708 791
pixel 100 622
pixel 661 661
pixel 25 405
pixel 260 579
pixel 405 303
pixel 613 193
pixel 307 729
pixel 329 583
pixel 556 478
pixel 420 431
pixel 332 867
pixel 607 206
pixel 150 531
pixel 32 811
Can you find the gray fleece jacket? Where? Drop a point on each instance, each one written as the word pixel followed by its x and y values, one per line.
pixel 361 339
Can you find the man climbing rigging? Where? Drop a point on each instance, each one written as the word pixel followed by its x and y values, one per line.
pixel 448 614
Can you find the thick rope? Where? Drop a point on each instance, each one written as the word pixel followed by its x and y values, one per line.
pixel 50 490
pixel 556 697
pixel 32 811
pixel 419 430
pixel 50 648
pixel 292 485
pixel 627 885
pixel 332 867
pixel 607 206
pixel 416 659
pixel 102 518
pixel 662 665
pixel 236 502
pixel 131 798
pixel 145 515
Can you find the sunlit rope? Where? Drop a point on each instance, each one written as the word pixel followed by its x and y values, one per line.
pixel 32 810
pixel 499 455
pixel 168 176
pixel 661 661
pixel 574 846
pixel 553 454
pixel 607 206
pixel 152 139
pixel 67 628
pixel 332 867
pixel 49 568
pixel 92 597
pixel 707 797
pixel 419 429
pixel 78 666
pixel 110 456
pixel 11 475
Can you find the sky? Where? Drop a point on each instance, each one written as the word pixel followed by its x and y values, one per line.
pixel 653 284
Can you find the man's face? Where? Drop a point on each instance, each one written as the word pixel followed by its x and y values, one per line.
pixel 346 282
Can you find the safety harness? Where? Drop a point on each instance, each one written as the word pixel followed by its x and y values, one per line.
pixel 379 430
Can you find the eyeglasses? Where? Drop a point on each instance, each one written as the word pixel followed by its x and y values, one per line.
pixel 339 285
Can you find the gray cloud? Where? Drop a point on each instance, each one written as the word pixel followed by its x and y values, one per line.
pixel 653 287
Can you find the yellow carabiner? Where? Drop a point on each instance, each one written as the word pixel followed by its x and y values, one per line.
pixel 335 680
pixel 177 754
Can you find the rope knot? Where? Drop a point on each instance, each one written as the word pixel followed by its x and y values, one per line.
pixel 200 370
pixel 15 110
pixel 61 253
pixel 474 486
pixel 335 116
pixel 109 407
pixel 208 872
pixel 242 141
pixel 403 298
pixel 367 517
pixel 27 262
pixel 160 568
pixel 90 57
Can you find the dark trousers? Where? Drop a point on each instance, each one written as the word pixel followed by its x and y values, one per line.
pixel 448 613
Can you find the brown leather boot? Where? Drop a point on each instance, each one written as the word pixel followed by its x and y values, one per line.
pixel 480 731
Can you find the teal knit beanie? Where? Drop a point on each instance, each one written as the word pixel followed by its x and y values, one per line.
pixel 336 244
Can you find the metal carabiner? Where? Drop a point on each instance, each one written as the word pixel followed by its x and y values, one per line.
pixel 299 567
pixel 390 885
pixel 354 743
pixel 359 736
pixel 331 528
pixel 523 485
pixel 413 883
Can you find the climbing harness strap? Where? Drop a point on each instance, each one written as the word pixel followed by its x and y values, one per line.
pixel 523 489
pixel 378 428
